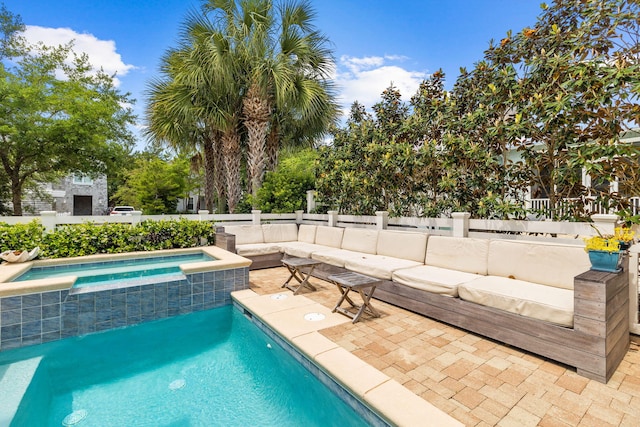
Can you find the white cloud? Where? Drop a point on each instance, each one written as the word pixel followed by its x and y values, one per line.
pixel 101 53
pixel 364 79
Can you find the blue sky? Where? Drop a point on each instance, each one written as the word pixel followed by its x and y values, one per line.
pixel 375 42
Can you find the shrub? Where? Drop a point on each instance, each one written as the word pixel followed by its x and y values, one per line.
pixel 285 189
pixel 21 237
pixel 90 238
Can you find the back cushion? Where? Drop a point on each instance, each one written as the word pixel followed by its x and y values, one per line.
pixel 329 236
pixel 274 233
pixel 402 244
pixel 360 240
pixel 458 253
pixel 307 233
pixel 550 264
pixel 246 234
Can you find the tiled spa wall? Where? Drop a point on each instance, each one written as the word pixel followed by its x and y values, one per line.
pixel 49 316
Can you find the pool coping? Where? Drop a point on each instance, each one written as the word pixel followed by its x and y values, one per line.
pixel 389 399
pixel 9 271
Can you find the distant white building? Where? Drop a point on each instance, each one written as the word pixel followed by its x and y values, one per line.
pixel 191 204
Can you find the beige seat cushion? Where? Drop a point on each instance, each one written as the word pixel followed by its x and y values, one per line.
pixel 528 299
pixel 329 236
pixel 458 253
pixel 253 249
pixel 245 233
pixel 402 244
pixel 307 233
pixel 379 266
pixel 274 233
pixel 335 257
pixel 438 280
pixel 360 240
pixel 551 264
pixel 302 249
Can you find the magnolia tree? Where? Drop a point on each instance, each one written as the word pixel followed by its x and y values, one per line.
pixel 572 83
pixel 543 108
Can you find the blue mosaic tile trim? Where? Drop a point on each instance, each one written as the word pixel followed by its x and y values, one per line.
pixel 48 316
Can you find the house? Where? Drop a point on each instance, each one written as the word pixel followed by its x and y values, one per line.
pixel 75 194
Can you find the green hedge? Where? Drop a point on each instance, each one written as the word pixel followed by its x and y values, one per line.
pixel 109 238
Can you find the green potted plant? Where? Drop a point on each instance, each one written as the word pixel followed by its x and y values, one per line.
pixel 606 251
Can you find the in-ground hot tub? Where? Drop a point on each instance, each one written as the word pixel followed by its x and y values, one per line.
pixel 120 272
pixel 122 292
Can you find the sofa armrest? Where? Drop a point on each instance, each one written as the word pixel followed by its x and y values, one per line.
pixel 226 241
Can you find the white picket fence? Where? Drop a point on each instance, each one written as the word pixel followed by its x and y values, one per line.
pixel 459 225
pixel 543 205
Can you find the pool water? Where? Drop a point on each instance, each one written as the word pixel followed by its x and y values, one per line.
pixel 208 368
pixel 110 272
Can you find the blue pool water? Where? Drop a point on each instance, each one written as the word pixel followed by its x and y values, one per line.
pixel 110 272
pixel 205 369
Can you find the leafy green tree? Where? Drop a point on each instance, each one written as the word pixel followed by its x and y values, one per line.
pixel 341 168
pixel 539 109
pixel 155 185
pixel 573 82
pixel 285 189
pixel 49 125
pixel 4 193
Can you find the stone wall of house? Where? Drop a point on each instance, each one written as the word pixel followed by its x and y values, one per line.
pixel 96 189
pixel 63 196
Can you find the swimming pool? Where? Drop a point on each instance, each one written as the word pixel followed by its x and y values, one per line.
pixel 112 272
pixel 217 368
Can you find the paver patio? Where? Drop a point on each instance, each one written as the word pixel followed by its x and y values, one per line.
pixel 476 380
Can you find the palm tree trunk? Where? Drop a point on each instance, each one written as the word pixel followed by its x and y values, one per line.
pixel 256 112
pixel 232 158
pixel 209 172
pixel 219 174
pixel 273 144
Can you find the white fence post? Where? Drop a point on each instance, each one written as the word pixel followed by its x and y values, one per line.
pixel 136 217
pixel 255 217
pixel 382 220
pixel 605 223
pixel 460 224
pixel 634 282
pixel 202 212
pixel 48 219
pixel 299 216
pixel 333 218
pixel 311 200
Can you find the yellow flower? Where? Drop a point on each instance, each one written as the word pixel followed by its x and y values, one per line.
pixel 609 243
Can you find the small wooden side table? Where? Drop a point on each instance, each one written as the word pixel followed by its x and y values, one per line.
pixel 295 266
pixel 346 282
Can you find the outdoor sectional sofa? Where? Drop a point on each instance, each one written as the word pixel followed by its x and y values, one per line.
pixel 540 297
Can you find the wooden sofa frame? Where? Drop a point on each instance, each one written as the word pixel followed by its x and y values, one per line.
pixel 595 345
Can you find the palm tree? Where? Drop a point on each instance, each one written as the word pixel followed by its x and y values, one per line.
pixel 196 98
pixel 212 73
pixel 289 129
pixel 285 66
pixel 173 119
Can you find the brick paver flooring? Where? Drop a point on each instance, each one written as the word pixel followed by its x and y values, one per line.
pixel 476 380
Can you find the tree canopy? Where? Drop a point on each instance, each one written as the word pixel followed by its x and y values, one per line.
pixel 56 115
pixel 154 184
pixel 248 77
pixel 542 108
